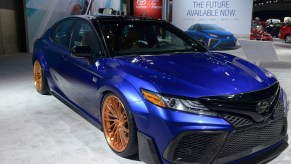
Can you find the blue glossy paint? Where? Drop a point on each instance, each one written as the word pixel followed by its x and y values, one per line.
pixel 196 74
pixel 207 36
pixel 191 74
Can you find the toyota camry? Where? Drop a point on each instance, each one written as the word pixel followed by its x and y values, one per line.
pixel 156 92
pixel 213 36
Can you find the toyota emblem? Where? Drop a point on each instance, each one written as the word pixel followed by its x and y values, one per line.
pixel 262 107
pixel 141 2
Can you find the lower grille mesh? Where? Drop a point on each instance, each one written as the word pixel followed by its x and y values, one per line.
pixel 279 110
pixel 193 147
pixel 244 142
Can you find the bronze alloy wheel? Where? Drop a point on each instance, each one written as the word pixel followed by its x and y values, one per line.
pixel 115 123
pixel 37 75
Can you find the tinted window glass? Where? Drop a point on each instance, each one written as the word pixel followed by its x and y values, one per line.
pixel 192 28
pixel 62 33
pixel 84 35
pixel 211 27
pixel 196 27
pixel 145 37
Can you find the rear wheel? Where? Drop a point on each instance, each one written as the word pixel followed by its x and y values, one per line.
pixel 288 39
pixel 40 82
pixel 118 126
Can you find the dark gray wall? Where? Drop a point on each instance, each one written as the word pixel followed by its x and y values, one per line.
pixel 8 4
pixel 18 7
pixel 20 22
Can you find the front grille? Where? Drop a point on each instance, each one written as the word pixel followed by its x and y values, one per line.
pixel 237 121
pixel 242 121
pixel 195 147
pixel 227 45
pixel 244 105
pixel 244 142
pixel 279 110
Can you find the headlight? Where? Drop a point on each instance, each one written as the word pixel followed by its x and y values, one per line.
pixel 180 104
pixel 213 35
pixel 268 73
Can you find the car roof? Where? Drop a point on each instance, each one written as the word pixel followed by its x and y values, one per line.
pixel 112 17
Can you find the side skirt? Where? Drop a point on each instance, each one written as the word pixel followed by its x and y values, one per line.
pixel 81 112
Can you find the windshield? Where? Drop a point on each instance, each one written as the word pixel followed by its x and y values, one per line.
pixel 211 27
pixel 146 38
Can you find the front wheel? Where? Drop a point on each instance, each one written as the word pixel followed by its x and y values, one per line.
pixel 288 39
pixel 40 82
pixel 118 126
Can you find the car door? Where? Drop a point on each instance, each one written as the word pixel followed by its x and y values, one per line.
pixel 82 76
pixel 57 51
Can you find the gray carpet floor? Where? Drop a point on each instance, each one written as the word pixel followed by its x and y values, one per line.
pixel 40 129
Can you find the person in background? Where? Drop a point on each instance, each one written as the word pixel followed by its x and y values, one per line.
pixel 76 9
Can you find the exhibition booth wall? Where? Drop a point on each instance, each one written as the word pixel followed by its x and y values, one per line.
pixel 42 14
pixel 233 15
pixel 12 29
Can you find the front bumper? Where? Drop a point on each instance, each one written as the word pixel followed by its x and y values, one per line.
pixel 179 137
pixel 251 144
pixel 164 125
pixel 242 134
pixel 222 43
pixel 262 38
pixel 267 154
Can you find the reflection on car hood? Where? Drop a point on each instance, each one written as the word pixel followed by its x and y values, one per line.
pixel 197 74
pixel 218 32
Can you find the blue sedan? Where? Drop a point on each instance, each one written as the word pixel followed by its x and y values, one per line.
pixel 155 91
pixel 213 36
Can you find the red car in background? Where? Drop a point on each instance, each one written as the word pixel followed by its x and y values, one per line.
pixel 285 33
pixel 257 34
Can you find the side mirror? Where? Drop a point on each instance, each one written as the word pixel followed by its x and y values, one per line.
pixel 82 51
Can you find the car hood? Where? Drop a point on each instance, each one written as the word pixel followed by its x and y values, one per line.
pixel 218 32
pixel 197 74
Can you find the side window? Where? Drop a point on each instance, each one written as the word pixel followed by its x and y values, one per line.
pixel 195 27
pixel 199 27
pixel 192 28
pixel 62 33
pixel 83 34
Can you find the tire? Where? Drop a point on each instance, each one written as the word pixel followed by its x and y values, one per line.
pixel 40 81
pixel 118 126
pixel 288 39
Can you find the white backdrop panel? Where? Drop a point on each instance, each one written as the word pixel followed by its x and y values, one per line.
pixel 233 15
